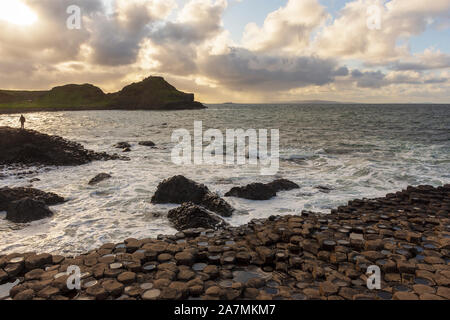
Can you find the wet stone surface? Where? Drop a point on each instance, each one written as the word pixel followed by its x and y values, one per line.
pixel 310 256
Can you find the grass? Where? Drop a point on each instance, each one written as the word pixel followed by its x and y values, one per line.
pixel 151 93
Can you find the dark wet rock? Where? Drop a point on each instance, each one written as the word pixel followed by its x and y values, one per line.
pixel 27 210
pixel 405 296
pixel 179 189
pixel 253 191
pixel 289 257
pixel 324 189
pixel 261 191
pixel 99 178
pixel 35 261
pixel 147 143
pixel 27 294
pixel 283 185
pixel 30 147
pixel 97 292
pixel 8 195
pixel 190 216
pixel 122 145
pixel 214 203
pixel 127 277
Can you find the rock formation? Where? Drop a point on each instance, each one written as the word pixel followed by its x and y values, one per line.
pixel 30 147
pixel 261 191
pixel 309 257
pixel 99 178
pixel 27 210
pixel 153 93
pixel 8 195
pixel 179 189
pixel 190 216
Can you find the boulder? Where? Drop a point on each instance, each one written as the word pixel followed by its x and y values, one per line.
pixel 8 195
pixel 214 203
pixel 122 145
pixel 27 210
pixel 99 178
pixel 324 189
pixel 283 185
pixel 180 189
pixel 29 147
pixel 253 191
pixel 190 215
pixel 147 143
pixel 261 191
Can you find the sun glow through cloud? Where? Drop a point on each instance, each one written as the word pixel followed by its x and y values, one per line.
pixel 15 11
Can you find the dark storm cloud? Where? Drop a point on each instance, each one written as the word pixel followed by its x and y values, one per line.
pixel 369 79
pixel 341 72
pixel 112 44
pixel 116 39
pixel 242 69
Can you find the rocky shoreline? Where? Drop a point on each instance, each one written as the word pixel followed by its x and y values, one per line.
pixel 312 256
pixel 29 148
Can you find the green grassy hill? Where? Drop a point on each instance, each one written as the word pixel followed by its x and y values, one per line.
pixel 153 93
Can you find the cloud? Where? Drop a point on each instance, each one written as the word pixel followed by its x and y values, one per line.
pixel 287 29
pixel 48 39
pixel 116 39
pixel 198 21
pixel 241 69
pixel 428 60
pixel 175 45
pixel 349 35
pixel 299 52
pixel 378 79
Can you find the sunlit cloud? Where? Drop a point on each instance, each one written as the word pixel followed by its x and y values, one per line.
pixel 301 50
pixel 16 12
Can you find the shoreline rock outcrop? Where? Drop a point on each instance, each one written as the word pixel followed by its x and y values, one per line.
pixel 27 210
pixel 309 257
pixel 8 195
pixel 180 189
pixel 147 144
pixel 99 178
pixel 29 147
pixel 190 216
pixel 261 191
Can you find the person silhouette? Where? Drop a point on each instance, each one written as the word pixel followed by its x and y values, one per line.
pixel 22 122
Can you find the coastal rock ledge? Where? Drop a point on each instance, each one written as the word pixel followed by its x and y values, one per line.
pixel 312 256
pixel 23 205
pixel 29 147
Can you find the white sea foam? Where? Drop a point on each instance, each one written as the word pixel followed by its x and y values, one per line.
pixel 120 207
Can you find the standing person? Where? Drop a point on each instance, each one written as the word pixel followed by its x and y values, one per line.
pixel 22 122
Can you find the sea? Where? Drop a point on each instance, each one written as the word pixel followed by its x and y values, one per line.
pixel 334 152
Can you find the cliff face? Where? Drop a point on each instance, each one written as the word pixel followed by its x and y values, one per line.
pixel 153 93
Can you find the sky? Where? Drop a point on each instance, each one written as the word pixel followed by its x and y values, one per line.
pixel 249 51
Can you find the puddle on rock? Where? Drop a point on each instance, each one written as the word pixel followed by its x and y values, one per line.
pixel 252 272
pixel 6 288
